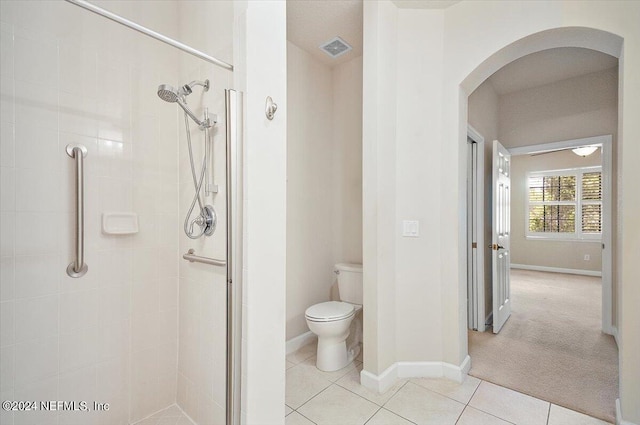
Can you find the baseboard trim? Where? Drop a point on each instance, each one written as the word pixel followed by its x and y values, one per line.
pixel 380 383
pixel 296 343
pixel 556 270
pixel 614 332
pixel 384 381
pixel 619 420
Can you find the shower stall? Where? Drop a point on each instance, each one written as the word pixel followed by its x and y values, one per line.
pixel 121 213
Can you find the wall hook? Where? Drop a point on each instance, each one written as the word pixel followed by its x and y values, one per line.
pixel 270 108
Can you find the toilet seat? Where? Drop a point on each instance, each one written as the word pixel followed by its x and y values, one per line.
pixel 329 311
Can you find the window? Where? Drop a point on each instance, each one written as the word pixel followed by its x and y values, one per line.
pixel 565 204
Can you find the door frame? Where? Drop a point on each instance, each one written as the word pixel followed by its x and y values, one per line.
pixel 475 215
pixel 607 231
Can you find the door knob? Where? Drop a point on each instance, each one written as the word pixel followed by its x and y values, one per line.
pixel 496 247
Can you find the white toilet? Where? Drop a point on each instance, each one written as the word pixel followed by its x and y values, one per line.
pixel 331 320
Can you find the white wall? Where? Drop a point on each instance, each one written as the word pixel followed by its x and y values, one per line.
pixel 417 185
pixel 324 178
pixel 110 336
pixel 310 174
pixel 574 108
pixel 378 183
pixel 259 60
pixel 548 253
pixel 347 161
pixel 461 55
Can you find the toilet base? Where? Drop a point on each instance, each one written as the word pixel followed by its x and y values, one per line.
pixel 336 356
pixel 331 355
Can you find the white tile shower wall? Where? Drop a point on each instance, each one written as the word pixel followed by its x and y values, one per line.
pixel 69 76
pixel 202 306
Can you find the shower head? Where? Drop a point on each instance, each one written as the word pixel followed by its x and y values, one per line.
pixel 168 93
pixel 172 95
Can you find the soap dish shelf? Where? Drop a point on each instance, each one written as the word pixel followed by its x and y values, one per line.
pixel 119 223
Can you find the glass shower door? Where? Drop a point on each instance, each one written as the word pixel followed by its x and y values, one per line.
pixel 142 333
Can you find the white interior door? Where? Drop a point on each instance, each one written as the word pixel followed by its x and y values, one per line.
pixel 500 235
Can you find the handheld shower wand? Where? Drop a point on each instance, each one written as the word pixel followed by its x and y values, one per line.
pixel 170 94
pixel 206 219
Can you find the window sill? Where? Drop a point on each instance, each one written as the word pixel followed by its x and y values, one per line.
pixel 561 239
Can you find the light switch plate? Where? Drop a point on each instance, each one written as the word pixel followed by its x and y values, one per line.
pixel 411 228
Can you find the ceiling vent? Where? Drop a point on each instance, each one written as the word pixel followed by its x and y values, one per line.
pixel 336 47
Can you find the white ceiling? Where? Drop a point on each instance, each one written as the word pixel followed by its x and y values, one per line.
pixel 549 66
pixel 311 23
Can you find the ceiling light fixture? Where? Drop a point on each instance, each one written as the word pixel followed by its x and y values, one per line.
pixel 585 150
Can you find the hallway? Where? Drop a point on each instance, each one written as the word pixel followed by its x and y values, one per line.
pixel 552 346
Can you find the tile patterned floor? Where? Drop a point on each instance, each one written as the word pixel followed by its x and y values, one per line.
pixel 337 398
pixel 172 415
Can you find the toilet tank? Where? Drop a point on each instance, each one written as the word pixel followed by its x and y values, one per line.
pixel 350 282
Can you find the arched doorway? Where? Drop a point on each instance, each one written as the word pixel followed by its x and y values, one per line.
pixel 561 37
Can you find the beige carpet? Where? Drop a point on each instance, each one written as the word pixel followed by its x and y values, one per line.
pixel 552 347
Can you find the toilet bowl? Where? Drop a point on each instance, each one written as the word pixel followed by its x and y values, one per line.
pixel 331 320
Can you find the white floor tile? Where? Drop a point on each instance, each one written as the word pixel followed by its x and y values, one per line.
pixel 436 401
pixel 510 405
pixel 303 353
pixel 337 406
pixel 472 416
pixel 384 417
pixel 167 420
pixel 184 421
pixel 310 364
pixel 461 392
pixel 173 411
pixel 560 416
pixel 423 406
pixel 296 418
pixel 302 384
pixel 172 415
pixel 351 381
pixel 148 421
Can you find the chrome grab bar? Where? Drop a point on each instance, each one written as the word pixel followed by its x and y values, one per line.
pixel 78 268
pixel 190 256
